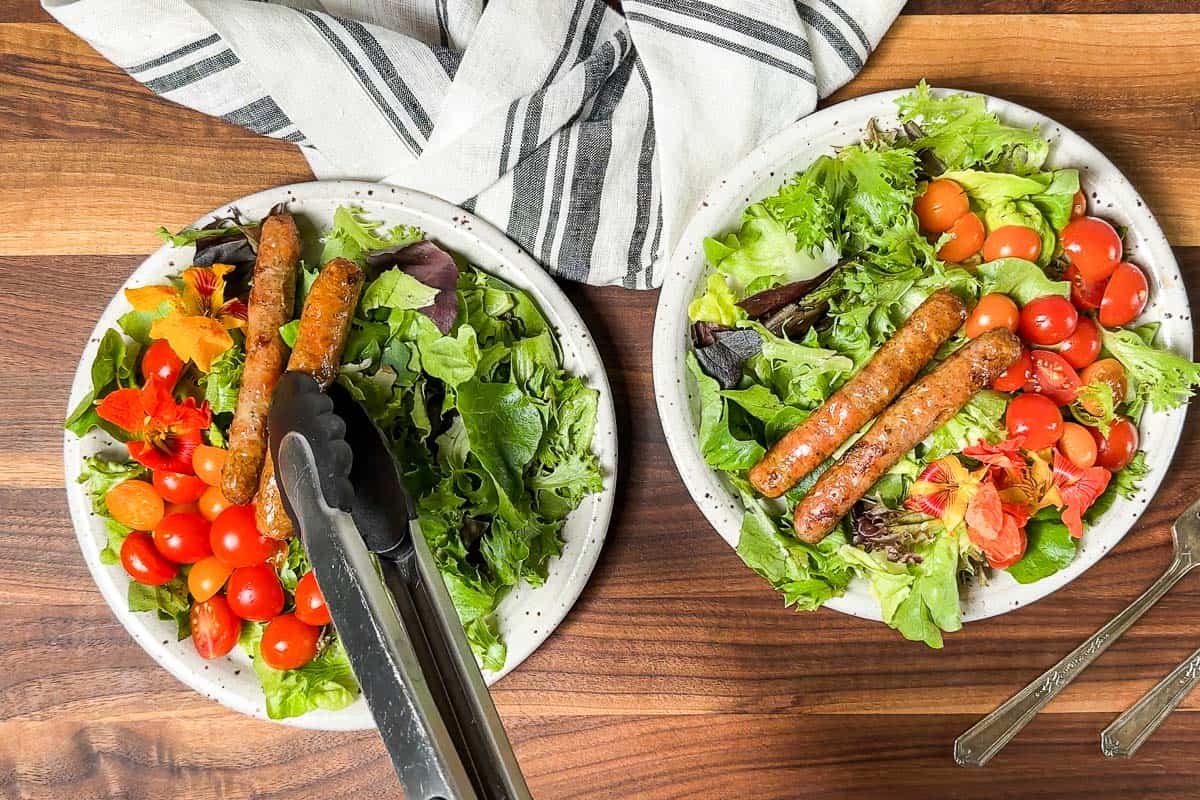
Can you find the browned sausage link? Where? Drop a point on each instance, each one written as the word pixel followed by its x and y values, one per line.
pixel 320 340
pixel 927 404
pixel 272 300
pixel 862 397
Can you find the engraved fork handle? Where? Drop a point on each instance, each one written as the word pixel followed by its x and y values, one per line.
pixel 987 737
pixel 1129 731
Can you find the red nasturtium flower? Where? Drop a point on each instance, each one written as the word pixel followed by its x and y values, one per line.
pixel 167 432
pixel 944 489
pixel 1078 489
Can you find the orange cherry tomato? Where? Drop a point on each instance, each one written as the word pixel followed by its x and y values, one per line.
pixel 207 577
pixel 1108 371
pixel 207 462
pixel 310 603
pixel 1078 445
pixel 1082 347
pixel 993 311
pixel 135 505
pixel 1035 417
pixel 212 503
pixel 1115 451
pixel 967 231
pixel 1092 245
pixel 1017 375
pixel 288 643
pixel 940 206
pixel 1012 241
pixel 1124 297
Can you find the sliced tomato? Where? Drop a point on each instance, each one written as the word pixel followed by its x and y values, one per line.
pixel 1085 294
pixel 215 628
pixel 1053 376
pixel 1124 297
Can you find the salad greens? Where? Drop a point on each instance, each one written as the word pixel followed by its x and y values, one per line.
pixel 847 227
pixel 464 375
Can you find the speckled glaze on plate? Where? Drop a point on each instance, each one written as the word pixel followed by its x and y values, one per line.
pixel 527 616
pixel 1110 195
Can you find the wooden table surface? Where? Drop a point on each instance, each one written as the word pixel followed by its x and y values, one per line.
pixel 678 674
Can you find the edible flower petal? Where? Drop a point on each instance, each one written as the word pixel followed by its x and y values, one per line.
pixel 169 431
pixel 944 489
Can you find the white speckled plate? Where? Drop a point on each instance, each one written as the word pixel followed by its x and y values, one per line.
pixel 1110 195
pixel 526 615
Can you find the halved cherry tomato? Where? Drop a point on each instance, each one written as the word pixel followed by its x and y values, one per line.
pixel 1053 377
pixel 1085 294
pixel 212 503
pixel 134 504
pixel 255 592
pixel 1078 205
pixel 215 628
pixel 1107 371
pixel 1007 548
pixel 940 206
pixel 143 562
pixel 1115 451
pixel 967 231
pixel 207 577
pixel 175 487
pixel 1078 445
pixel 310 603
pixel 1012 241
pixel 207 463
pixel 1082 347
pixel 183 538
pixel 993 311
pixel 1124 297
pixel 288 643
pixel 1035 417
pixel 1048 320
pixel 1092 245
pixel 1016 376
pixel 235 538
pixel 160 361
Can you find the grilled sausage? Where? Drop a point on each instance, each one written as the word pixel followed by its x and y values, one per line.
pixel 862 397
pixel 320 340
pixel 272 301
pixel 927 404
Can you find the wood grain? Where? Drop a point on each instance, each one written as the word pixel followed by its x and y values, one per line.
pixel 678 674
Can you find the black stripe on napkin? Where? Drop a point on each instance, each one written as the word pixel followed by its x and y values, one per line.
pixel 193 72
pixel 739 23
pixel 645 189
pixel 851 23
pixel 387 70
pixel 724 44
pixel 174 55
pixel 263 116
pixel 817 21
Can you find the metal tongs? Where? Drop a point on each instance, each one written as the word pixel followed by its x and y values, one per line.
pixel 342 489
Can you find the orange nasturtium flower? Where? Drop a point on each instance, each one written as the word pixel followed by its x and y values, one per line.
pixel 944 489
pixel 167 432
pixel 199 320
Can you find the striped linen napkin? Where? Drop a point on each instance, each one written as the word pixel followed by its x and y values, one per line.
pixel 586 134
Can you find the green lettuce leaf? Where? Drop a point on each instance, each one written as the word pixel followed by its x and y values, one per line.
pixel 325 682
pixel 981 418
pixel 114 367
pixel 396 289
pixel 1160 379
pixel 720 448
pixel 1124 483
pixel 223 381
pixel 1050 548
pixel 503 430
pixel 1021 280
pixel 170 601
pixel 717 304
pixel 353 235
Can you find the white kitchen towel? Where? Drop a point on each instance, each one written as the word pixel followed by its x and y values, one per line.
pixel 586 134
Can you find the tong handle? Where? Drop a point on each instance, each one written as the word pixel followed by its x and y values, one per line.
pixel 988 737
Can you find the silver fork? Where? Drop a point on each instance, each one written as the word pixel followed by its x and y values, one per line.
pixel 987 737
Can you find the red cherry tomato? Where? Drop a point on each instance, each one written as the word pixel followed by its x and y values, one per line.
pixel 967 231
pixel 183 538
pixel 1115 451
pixel 1035 417
pixel 1078 445
pixel 235 538
pixel 310 603
pixel 1092 245
pixel 143 562
pixel 159 361
pixel 1016 376
pixel 1085 294
pixel 255 592
pixel 1082 347
pixel 1078 205
pixel 215 628
pixel 940 206
pixel 1012 241
pixel 1048 320
pixel 993 311
pixel 207 577
pixel 1053 377
pixel 288 643
pixel 175 487
pixel 1124 297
